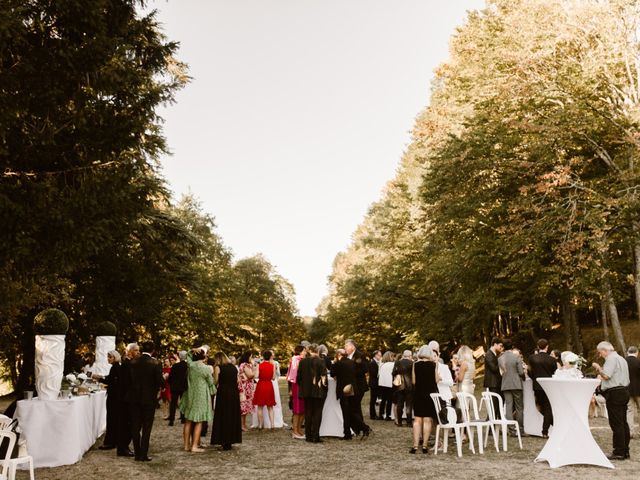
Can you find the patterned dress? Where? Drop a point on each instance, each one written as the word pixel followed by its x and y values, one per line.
pixel 195 403
pixel 246 387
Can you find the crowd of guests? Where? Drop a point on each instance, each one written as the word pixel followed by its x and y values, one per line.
pixel 218 390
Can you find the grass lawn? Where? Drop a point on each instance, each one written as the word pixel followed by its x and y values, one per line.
pixel 275 455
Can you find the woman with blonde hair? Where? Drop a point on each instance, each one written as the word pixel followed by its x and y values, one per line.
pixel 466 371
pixel 226 419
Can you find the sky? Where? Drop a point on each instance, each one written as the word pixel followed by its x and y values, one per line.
pixel 297 116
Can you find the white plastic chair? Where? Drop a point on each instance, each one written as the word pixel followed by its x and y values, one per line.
pixel 470 415
pixel 501 422
pixel 5 422
pixel 24 457
pixel 450 425
pixel 5 462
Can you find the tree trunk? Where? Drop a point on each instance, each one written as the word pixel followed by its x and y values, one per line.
pixel 605 320
pixel 613 316
pixel 576 335
pixel 565 312
pixel 636 271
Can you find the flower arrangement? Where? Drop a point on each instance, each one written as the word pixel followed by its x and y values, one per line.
pixel 571 365
pixel 71 380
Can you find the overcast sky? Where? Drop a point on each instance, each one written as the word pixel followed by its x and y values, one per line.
pixel 297 116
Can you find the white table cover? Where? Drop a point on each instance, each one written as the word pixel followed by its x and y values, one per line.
pixel 278 419
pixel 59 432
pixel 332 424
pixel 571 442
pixel 532 418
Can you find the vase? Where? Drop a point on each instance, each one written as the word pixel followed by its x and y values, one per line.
pixel 104 344
pixel 49 365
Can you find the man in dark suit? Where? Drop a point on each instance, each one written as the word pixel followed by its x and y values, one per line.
pixel 177 384
pixel 492 376
pixel 124 427
pixel 344 371
pixel 634 387
pixel 542 365
pixel 312 386
pixel 146 381
pixel 360 363
pixel 404 391
pixel 374 365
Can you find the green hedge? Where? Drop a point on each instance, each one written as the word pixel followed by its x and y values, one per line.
pixel 51 322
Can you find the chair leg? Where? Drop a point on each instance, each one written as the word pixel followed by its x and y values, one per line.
pixel 31 473
pixel 519 437
pixel 504 437
pixel 458 441
pixel 495 436
pixel 470 437
pixel 480 444
pixel 445 442
pixel 435 450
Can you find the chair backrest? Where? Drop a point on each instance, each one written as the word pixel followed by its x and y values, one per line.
pixel 5 422
pixel 489 397
pixel 469 406
pixel 438 401
pixel 4 435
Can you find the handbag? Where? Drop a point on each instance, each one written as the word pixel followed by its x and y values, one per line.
pixel 398 381
pixel 347 390
pixel 4 445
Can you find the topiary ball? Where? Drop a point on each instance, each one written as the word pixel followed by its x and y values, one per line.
pixel 51 322
pixel 106 329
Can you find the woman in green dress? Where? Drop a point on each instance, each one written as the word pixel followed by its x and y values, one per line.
pixel 195 403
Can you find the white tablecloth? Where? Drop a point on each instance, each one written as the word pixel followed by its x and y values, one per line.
pixel 331 425
pixel 532 418
pixel 571 442
pixel 278 419
pixel 59 432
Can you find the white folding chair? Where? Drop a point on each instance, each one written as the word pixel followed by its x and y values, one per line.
pixel 5 462
pixel 502 422
pixel 5 422
pixel 24 457
pixel 451 424
pixel 471 416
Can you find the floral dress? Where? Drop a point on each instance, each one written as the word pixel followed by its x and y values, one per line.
pixel 246 387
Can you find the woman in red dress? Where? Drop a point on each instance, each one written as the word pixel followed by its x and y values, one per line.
pixel 165 391
pixel 265 396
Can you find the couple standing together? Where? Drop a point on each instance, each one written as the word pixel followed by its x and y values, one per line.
pixel 310 389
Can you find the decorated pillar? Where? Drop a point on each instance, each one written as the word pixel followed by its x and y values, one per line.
pixel 51 326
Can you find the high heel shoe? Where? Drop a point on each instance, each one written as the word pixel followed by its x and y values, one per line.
pixel 413 450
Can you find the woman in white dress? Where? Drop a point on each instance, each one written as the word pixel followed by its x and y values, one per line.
pixel 467 370
pixel 385 384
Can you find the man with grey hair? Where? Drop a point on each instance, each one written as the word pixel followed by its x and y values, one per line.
pixel 634 387
pixel 615 389
pixel 404 391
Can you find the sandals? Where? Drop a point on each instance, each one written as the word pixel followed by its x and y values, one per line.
pixel 413 450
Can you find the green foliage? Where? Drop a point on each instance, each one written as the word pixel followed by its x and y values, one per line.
pixel 51 322
pixel 106 329
pixel 515 204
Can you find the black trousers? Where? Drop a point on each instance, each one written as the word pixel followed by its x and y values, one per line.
pixel 545 409
pixel 404 398
pixel 312 417
pixel 375 393
pixel 111 435
pixel 141 423
pixel 496 404
pixel 386 394
pixel 617 403
pixel 175 398
pixel 357 420
pixel 346 416
pixel 124 427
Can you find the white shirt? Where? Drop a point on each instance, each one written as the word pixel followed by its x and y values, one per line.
pixel 446 382
pixel 385 379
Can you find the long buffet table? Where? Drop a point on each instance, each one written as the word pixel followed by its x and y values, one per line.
pixel 59 432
